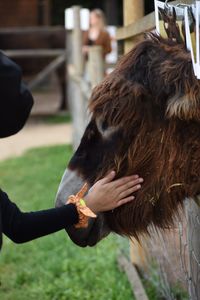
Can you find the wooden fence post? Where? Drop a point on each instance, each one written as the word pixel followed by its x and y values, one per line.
pixel 77 42
pixel 133 11
pixel 76 97
pixel 193 230
pixel 96 65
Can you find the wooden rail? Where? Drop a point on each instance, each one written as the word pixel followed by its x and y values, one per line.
pixel 34 52
pixel 53 66
pixel 33 29
pixel 133 277
pixel 145 24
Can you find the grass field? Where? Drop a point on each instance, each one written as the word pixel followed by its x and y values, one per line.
pixel 58 119
pixel 52 267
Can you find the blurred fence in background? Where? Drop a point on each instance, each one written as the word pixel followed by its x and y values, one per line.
pixel 83 75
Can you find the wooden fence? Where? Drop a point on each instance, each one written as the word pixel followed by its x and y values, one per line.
pixel 83 76
pixel 58 55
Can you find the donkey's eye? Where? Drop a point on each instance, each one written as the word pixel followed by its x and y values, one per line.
pixel 104 125
pixel 104 129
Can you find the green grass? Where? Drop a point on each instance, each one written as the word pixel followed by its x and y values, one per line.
pixel 58 119
pixel 53 267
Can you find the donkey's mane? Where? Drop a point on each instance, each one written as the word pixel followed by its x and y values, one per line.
pixel 152 103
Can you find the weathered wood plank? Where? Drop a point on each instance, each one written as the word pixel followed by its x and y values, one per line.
pixel 78 60
pixel 133 10
pixel 144 24
pixel 133 277
pixel 193 228
pixel 19 30
pixel 95 65
pixel 34 52
pixel 46 71
pixel 83 85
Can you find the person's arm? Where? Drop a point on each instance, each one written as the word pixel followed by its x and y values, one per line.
pixel 106 43
pixel 106 194
pixel 23 227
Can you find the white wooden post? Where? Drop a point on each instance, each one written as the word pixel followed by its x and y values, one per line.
pixel 77 99
pixel 77 42
pixel 96 65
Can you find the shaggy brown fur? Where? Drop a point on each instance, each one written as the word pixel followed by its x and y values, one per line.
pixel 146 121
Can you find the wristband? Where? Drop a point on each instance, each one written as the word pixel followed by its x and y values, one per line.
pixel 83 211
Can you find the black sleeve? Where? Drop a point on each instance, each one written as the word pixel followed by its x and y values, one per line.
pixel 23 227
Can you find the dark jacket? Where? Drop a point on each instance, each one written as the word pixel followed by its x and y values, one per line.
pixel 15 99
pixel 22 227
pixel 15 105
pixel 103 40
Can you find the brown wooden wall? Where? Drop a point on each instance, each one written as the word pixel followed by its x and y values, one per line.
pixel 22 13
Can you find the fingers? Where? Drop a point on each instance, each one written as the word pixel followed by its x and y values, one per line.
pixel 125 180
pixel 124 201
pixel 130 184
pixel 119 182
pixel 108 178
pixel 129 191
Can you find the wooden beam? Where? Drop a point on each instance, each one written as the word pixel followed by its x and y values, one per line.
pixel 133 11
pixel 77 41
pixel 84 85
pixel 96 65
pixel 19 30
pixel 46 71
pixel 133 277
pixel 146 23
pixel 34 52
pixel 193 228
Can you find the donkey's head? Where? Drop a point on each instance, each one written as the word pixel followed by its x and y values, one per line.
pixel 170 24
pixel 138 115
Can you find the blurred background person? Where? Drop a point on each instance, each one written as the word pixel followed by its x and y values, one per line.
pixel 97 34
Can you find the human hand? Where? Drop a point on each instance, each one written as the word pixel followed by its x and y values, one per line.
pixel 106 194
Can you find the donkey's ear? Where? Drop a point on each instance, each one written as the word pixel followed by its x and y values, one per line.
pixel 174 13
pixel 192 15
pixel 162 12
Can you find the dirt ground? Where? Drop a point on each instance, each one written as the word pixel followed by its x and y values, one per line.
pixel 37 132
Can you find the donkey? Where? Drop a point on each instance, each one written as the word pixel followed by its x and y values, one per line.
pixel 170 24
pixel 145 119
